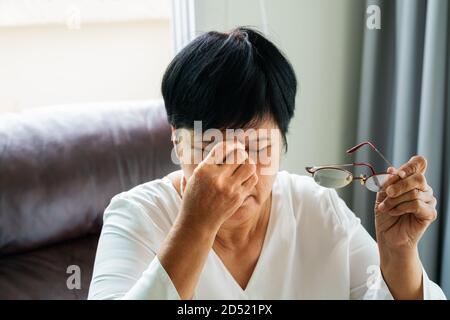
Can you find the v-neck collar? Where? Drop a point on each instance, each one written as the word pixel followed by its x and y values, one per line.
pixel 262 254
pixel 256 271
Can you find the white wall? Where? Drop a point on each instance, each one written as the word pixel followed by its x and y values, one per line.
pixel 51 64
pixel 322 39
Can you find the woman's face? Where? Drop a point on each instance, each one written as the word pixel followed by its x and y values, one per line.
pixel 263 145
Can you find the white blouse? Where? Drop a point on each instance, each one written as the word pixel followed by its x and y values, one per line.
pixel 314 248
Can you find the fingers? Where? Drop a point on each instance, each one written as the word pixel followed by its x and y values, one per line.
pixel 393 171
pixel 421 209
pixel 417 164
pixel 392 179
pixel 235 158
pixel 250 183
pixel 210 158
pixel 230 164
pixel 390 203
pixel 381 195
pixel 408 192
pixel 415 181
pixel 226 152
pixel 244 172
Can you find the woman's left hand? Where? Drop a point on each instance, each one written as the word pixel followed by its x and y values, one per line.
pixel 405 207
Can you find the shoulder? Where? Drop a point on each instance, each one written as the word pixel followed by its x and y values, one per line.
pixel 148 205
pixel 313 204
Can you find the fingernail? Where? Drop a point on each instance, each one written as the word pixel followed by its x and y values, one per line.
pixel 402 174
pixel 382 206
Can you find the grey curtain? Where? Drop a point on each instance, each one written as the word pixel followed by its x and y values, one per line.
pixel 404 109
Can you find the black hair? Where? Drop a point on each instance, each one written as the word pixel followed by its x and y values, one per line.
pixel 229 80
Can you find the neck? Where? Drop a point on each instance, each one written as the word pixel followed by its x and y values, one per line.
pixel 233 236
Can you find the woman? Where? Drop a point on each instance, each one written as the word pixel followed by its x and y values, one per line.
pixel 229 225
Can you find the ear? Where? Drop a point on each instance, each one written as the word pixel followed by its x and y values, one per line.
pixel 175 141
pixel 173 137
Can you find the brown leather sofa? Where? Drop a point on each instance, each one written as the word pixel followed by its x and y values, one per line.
pixel 59 168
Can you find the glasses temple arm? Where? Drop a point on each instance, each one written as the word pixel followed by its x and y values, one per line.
pixel 353 149
pixel 383 157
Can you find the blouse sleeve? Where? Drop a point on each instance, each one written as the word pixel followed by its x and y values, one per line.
pixel 366 280
pixel 126 265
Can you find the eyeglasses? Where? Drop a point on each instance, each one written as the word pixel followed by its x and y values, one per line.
pixel 335 176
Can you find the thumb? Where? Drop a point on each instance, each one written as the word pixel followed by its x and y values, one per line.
pixel 392 170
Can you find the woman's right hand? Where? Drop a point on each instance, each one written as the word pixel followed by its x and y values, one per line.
pixel 214 191
pixel 219 185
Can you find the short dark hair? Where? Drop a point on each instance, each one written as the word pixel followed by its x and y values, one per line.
pixel 229 80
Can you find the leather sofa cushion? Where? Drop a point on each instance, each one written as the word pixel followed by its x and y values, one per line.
pixel 42 273
pixel 60 167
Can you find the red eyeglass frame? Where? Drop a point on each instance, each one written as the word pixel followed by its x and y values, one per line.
pixel 362 178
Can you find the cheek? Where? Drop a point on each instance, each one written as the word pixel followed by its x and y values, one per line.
pixel 264 187
pixel 188 155
pixel 188 169
pixel 267 160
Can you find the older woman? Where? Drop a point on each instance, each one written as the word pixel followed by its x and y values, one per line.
pixel 229 225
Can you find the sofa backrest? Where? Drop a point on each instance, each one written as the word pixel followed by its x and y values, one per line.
pixel 60 166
